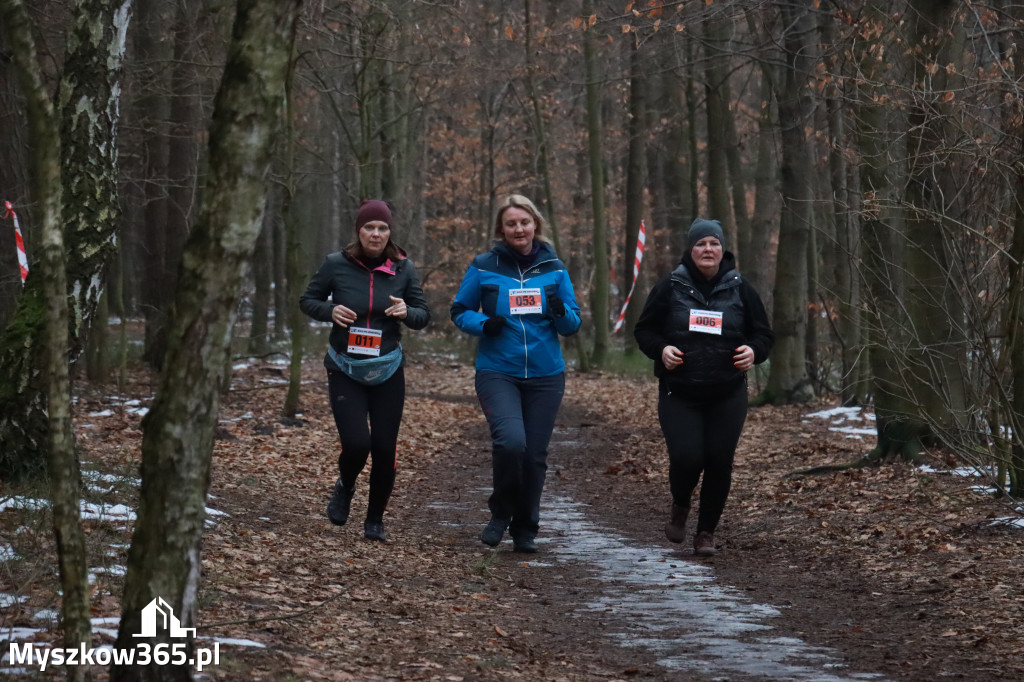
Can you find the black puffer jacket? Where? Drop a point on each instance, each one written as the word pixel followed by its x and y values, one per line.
pixel 707 369
pixel 365 290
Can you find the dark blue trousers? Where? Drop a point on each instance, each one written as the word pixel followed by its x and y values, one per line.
pixel 521 415
pixel 701 437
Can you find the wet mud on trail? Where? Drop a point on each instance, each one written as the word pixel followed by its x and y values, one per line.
pixel 885 573
pixel 607 586
pixel 845 577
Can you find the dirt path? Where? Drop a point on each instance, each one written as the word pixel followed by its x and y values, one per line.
pixel 436 604
pixel 896 574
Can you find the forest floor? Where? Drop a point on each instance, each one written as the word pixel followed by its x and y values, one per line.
pixel 894 572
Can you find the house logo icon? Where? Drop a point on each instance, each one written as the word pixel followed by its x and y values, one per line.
pixel 159 613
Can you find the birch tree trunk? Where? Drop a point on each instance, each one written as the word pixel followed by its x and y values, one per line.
pixel 89 93
pixel 62 462
pixel 164 558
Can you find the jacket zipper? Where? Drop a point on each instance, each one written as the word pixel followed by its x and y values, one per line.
pixel 526 345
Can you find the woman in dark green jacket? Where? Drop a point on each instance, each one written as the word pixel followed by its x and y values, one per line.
pixel 373 289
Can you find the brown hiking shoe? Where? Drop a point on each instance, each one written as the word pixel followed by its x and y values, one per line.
pixel 704 544
pixel 675 529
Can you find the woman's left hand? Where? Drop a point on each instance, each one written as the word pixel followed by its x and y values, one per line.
pixel 400 310
pixel 744 358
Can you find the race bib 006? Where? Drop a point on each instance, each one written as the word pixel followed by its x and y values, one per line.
pixel 706 322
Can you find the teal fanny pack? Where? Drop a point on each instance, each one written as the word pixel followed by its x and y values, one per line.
pixel 368 371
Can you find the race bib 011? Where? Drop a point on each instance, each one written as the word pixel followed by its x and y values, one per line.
pixel 363 341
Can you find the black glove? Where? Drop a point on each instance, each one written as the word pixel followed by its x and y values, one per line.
pixel 494 325
pixel 555 306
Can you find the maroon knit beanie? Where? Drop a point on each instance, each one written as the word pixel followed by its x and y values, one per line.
pixel 373 209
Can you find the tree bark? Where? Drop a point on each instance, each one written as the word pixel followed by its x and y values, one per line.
pixel 540 131
pixel 788 380
pixel 153 107
pixel 936 376
pixel 716 90
pixel 757 264
pixel 897 426
pixel 599 291
pixel 62 461
pixel 847 277
pixel 89 93
pixel 636 181
pixel 164 558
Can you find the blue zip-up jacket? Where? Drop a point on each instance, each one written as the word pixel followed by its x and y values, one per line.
pixel 528 346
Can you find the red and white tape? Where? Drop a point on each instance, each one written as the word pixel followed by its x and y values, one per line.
pixel 22 257
pixel 641 239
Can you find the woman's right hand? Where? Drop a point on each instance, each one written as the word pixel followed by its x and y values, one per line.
pixel 671 357
pixel 342 316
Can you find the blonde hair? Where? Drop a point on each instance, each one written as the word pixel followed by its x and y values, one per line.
pixel 520 202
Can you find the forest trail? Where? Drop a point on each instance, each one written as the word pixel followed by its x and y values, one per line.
pixel 875 574
pixel 443 606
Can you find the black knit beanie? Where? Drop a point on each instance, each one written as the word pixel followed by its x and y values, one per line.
pixel 704 228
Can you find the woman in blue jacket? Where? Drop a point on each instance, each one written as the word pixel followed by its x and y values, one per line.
pixel 373 290
pixel 517 298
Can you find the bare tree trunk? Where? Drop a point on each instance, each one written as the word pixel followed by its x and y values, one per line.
pixel 898 429
pixel 847 277
pixel 153 107
pixel 62 461
pixel 164 559
pixel 294 255
pixel 262 270
pixel 599 291
pixel 89 91
pixel 636 180
pixel 715 87
pixel 544 167
pixel 788 381
pixel 1015 312
pixel 757 263
pixel 936 376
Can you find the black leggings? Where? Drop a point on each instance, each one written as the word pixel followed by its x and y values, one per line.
pixel 353 404
pixel 701 437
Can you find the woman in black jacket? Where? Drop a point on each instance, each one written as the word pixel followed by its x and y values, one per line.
pixel 704 326
pixel 373 289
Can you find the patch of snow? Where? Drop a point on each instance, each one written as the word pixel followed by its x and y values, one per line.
pixel 231 641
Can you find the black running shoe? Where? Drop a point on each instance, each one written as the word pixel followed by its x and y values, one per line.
pixel 341 500
pixel 493 532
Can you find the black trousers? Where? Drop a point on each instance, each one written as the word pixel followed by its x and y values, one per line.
pixel 701 437
pixel 368 418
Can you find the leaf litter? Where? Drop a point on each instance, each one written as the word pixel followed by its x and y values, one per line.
pixel 898 569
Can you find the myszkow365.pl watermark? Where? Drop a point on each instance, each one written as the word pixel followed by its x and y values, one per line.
pixel 157 614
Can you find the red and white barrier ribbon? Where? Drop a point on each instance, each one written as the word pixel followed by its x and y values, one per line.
pixel 641 239
pixel 22 257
